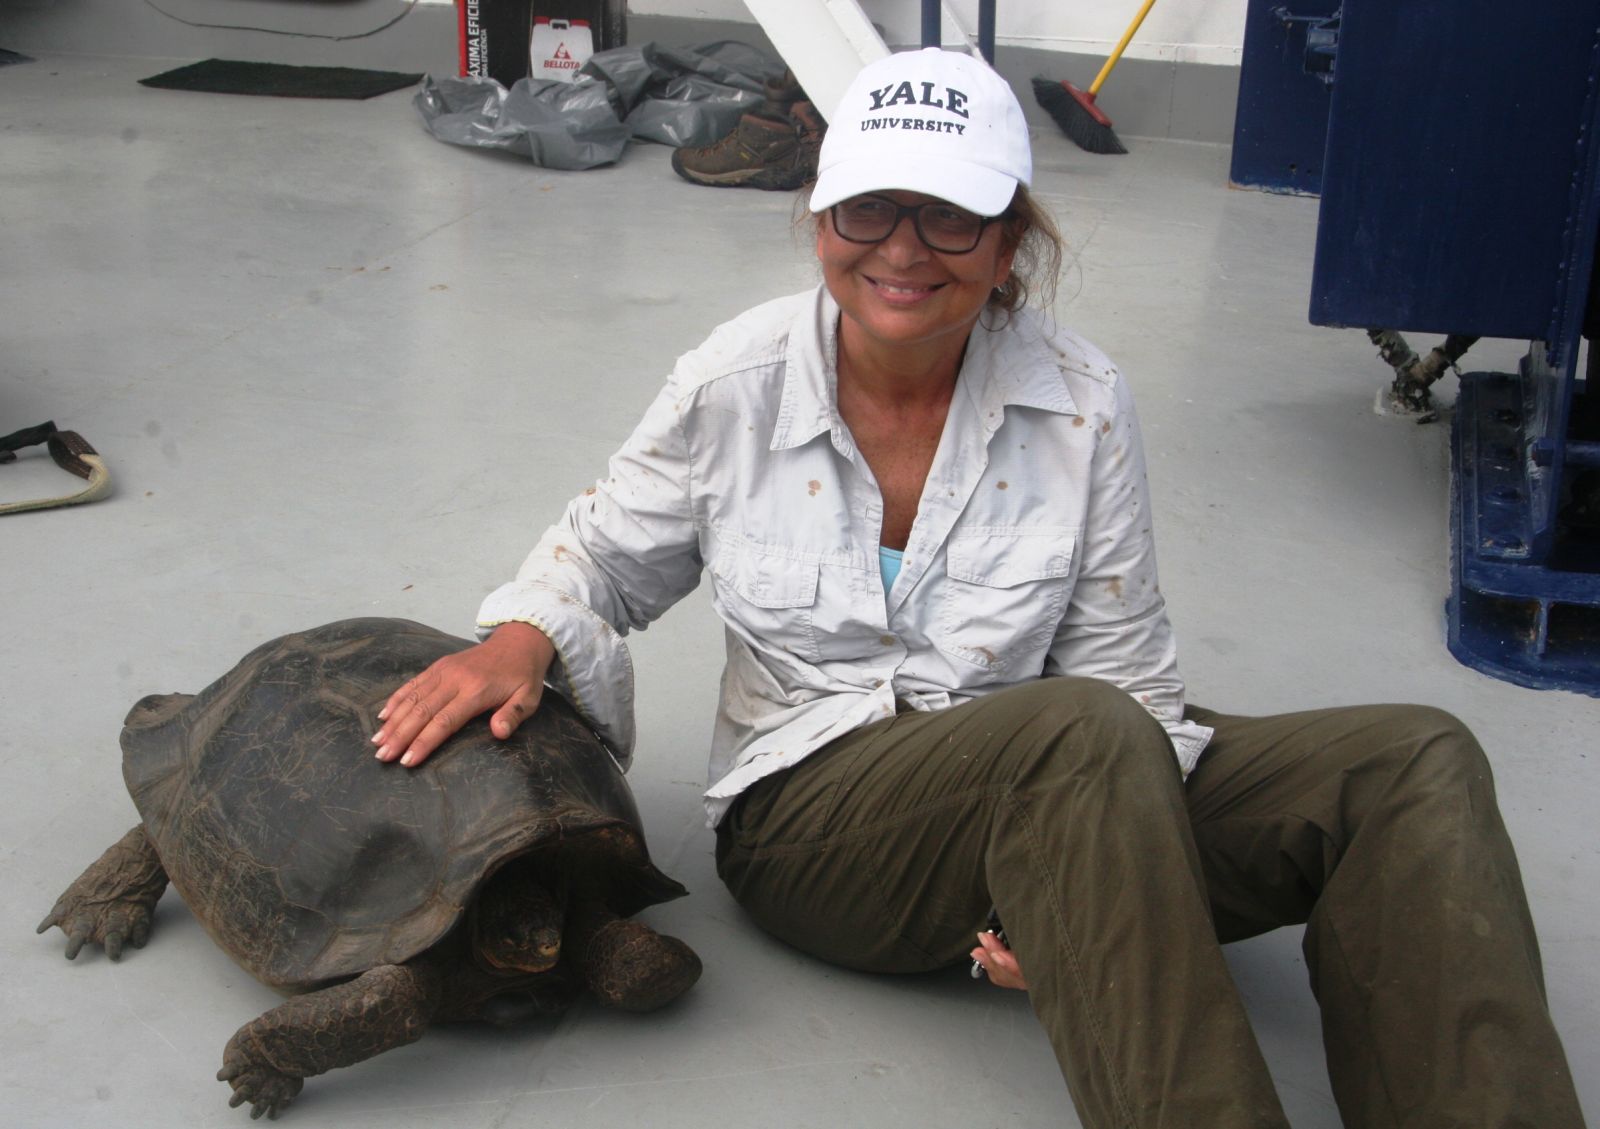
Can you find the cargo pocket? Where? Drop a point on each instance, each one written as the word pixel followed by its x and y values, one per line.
pixel 1003 595
pixel 768 595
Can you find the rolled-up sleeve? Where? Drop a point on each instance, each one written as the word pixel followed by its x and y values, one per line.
pixel 623 552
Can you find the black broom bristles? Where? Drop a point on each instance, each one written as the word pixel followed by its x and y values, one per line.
pixel 1077 115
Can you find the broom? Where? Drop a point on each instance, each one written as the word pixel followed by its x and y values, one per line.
pixel 1074 110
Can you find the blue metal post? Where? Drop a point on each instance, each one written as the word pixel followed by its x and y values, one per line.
pixel 986 30
pixel 931 36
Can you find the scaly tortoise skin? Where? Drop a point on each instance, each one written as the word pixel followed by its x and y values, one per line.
pixel 493 882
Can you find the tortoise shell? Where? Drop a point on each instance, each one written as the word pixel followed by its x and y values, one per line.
pixel 309 861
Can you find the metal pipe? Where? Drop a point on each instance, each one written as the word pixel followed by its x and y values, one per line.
pixel 1581 452
pixel 931 35
pixel 986 30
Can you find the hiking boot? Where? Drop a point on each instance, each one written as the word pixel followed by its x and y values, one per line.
pixel 760 153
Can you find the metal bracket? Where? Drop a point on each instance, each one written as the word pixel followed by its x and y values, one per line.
pixel 1322 40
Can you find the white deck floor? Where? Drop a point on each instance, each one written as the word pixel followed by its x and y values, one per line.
pixel 338 368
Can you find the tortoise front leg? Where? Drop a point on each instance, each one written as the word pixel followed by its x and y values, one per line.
pixel 113 900
pixel 268 1058
pixel 627 964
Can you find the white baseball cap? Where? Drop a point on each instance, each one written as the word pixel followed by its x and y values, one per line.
pixel 932 121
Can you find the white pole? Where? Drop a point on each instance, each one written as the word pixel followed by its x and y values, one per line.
pixel 825 43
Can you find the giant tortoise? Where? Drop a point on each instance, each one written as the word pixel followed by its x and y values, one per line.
pixel 495 881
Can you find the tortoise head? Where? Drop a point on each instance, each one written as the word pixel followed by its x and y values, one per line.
pixel 516 924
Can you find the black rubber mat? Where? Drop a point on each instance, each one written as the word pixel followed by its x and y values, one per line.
pixel 228 76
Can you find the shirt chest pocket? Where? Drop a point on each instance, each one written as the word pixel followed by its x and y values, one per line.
pixel 1003 595
pixel 767 596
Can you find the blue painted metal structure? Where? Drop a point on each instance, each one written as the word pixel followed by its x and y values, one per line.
pixel 1281 127
pixel 1527 616
pixel 1452 147
pixel 1461 194
pixel 933 35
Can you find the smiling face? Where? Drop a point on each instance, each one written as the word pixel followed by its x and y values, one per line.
pixel 903 296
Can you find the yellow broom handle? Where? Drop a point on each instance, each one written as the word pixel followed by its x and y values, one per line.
pixel 1127 37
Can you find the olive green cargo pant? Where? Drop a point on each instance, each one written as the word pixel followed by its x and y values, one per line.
pixel 1060 804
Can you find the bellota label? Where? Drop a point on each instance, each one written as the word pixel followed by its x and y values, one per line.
pixel 557 48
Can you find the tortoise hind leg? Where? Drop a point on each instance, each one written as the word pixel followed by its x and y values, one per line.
pixel 268 1059
pixel 112 902
pixel 627 964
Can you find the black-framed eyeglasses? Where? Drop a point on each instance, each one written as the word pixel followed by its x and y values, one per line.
pixel 943 227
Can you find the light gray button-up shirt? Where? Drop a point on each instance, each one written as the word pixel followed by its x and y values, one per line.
pixel 1031 554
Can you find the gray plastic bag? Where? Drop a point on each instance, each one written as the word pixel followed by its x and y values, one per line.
pixel 691 110
pixel 557 125
pixel 676 96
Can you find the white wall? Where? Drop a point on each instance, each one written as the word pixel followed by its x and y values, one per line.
pixel 1184 31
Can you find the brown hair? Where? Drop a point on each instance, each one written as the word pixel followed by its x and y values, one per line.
pixel 1032 230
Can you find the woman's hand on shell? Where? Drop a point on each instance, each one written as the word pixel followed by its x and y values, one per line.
pixel 505 673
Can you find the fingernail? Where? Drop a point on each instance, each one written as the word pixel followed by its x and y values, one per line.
pixel 383 714
pixel 383 753
pixel 377 738
pixel 409 759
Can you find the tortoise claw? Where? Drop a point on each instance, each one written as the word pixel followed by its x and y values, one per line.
pixel 111 903
pixel 115 925
pixel 268 1105
pixel 76 940
pixel 266 1090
